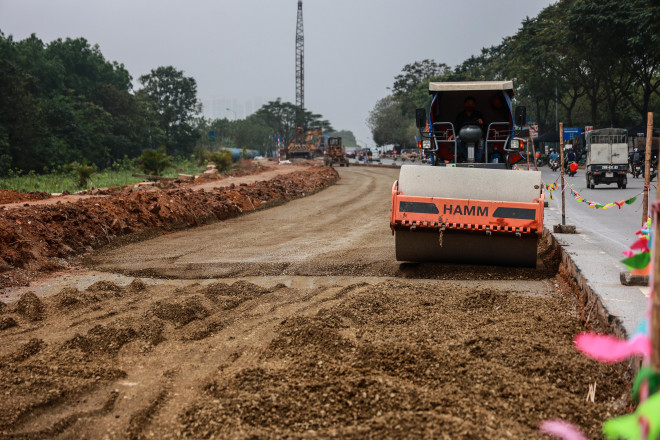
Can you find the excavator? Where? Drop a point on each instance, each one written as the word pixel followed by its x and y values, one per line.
pixel 472 205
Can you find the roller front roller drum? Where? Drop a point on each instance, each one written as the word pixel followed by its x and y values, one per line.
pixel 466 248
pixel 466 187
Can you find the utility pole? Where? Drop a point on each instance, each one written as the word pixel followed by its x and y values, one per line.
pixel 300 60
pixel 647 167
pixel 561 167
pixel 556 107
pixel 655 304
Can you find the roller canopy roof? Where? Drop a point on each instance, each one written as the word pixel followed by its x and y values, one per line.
pixel 470 86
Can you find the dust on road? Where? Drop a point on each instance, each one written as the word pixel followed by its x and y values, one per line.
pixel 356 355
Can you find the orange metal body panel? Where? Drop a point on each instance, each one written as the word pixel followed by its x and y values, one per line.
pixel 467 214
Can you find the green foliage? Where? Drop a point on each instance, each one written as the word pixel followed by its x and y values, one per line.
pixel 347 137
pixel 83 172
pixel 389 124
pixel 64 102
pixel 62 179
pixel 154 162
pixel 283 117
pixel 221 159
pixel 599 57
pixel 173 99
pixel 201 155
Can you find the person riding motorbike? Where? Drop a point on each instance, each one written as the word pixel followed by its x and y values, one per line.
pixel 635 163
pixel 568 160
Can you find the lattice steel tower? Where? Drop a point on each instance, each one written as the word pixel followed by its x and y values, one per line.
pixel 300 59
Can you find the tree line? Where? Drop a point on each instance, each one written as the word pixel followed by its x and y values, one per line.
pixel 597 61
pixel 62 102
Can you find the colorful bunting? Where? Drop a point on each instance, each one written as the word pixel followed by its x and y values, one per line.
pixel 606 348
pixel 578 198
pixel 644 423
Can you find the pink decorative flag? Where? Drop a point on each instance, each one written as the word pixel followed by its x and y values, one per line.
pixel 606 348
pixel 562 430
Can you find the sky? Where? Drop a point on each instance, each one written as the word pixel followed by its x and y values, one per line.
pixel 242 52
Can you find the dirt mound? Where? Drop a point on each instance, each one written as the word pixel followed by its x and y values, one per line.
pixel 137 285
pixel 228 296
pixel 37 238
pixel 7 322
pixel 181 313
pixel 30 306
pixel 32 347
pixel 9 196
pixel 70 297
pixel 310 337
pixel 103 286
pixel 484 300
pixel 102 339
pixel 152 331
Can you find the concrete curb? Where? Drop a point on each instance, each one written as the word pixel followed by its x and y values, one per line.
pixel 590 303
pixel 360 164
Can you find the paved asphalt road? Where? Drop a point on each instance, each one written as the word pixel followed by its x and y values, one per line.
pixel 614 229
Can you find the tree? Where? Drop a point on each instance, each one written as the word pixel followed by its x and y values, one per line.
pixel 389 126
pixel 284 117
pixel 406 84
pixel 347 137
pixel 173 97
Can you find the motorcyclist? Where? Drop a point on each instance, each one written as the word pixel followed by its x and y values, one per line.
pixel 554 155
pixel 634 157
pixel 570 157
pixel 635 162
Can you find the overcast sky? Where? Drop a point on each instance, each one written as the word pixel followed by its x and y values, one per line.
pixel 242 52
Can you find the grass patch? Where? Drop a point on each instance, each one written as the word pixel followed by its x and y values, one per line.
pixel 120 173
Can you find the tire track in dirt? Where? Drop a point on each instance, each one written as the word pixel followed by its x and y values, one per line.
pixel 180 352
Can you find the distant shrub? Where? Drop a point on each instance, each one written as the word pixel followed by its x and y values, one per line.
pixel 155 161
pixel 83 173
pixel 222 159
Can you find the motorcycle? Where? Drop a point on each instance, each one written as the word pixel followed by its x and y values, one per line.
pixel 636 169
pixel 554 164
pixel 653 171
pixel 567 168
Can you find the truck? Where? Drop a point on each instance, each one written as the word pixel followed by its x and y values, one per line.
pixel 471 206
pixel 335 153
pixel 305 145
pixel 607 157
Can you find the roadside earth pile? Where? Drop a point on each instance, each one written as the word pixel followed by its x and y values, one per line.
pixel 40 238
pixel 9 196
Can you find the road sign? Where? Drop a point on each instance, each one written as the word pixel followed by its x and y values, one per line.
pixel 571 132
pixel 534 130
pixel 588 128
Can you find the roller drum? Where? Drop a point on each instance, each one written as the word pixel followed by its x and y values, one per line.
pixel 468 247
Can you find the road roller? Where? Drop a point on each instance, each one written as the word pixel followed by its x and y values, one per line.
pixel 473 204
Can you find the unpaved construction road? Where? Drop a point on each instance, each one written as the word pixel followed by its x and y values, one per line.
pixel 296 322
